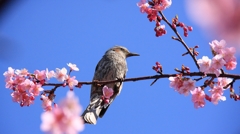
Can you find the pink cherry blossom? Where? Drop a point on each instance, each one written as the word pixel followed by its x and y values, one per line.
pixel 46 103
pixel 176 83
pixel 40 75
pixel 19 79
pixel 9 83
pixel 61 74
pixel 49 74
pixel 23 98
pixel 163 5
pixel 213 70
pixel 16 96
pixel 27 100
pixel 215 98
pixel 35 89
pixel 152 14
pixel 72 82
pixel 198 96
pixel 22 72
pixel 216 94
pixel 228 54
pixel 143 6
pixel 166 3
pixel 107 92
pixel 208 14
pixel 9 73
pixel 231 65
pixel 73 67
pixel 64 118
pixel 217 62
pixel 218 46
pixel 204 63
pixel 188 85
pixel 224 81
pixel 26 84
pixel 70 104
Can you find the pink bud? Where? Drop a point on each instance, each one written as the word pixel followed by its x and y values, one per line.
pixel 190 28
pixel 181 24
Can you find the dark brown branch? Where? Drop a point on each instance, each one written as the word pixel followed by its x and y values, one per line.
pixel 233 76
pixel 179 39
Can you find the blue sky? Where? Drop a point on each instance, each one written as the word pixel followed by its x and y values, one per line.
pixel 49 34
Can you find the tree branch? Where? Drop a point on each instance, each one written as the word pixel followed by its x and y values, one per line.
pixel 180 39
pixel 233 76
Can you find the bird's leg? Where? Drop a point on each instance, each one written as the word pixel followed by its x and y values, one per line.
pixel 95 82
pixel 120 79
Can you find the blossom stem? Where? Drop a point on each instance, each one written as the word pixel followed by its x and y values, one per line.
pixel 179 39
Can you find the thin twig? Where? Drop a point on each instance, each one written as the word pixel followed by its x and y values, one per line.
pixel 180 39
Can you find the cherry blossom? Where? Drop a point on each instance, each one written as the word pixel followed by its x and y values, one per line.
pixel 61 74
pixel 26 84
pixel 216 94
pixel 107 92
pixel 188 85
pixel 73 67
pixel 23 98
pixel 218 46
pixel 162 4
pixel 176 82
pixel 143 6
pixel 204 63
pixel 231 65
pixel 228 54
pixel 198 96
pixel 218 62
pixel 208 14
pixel 224 81
pixel 40 75
pixel 64 118
pixel 72 82
pixel 35 89
pixel 213 70
pixel 46 103
pixel 9 73
pixel 22 72
pixel 49 74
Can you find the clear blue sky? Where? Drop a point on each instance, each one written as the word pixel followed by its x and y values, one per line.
pixel 49 34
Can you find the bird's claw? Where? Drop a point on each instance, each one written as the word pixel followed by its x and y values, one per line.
pixel 120 79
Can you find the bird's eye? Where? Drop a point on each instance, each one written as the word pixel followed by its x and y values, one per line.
pixel 122 49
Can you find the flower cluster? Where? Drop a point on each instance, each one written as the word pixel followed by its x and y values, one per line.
pixel 185 85
pixel 217 90
pixel 176 23
pixel 64 118
pixel 181 84
pixel 222 57
pixel 152 8
pixel 26 86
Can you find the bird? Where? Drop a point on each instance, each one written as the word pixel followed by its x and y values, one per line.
pixel 112 66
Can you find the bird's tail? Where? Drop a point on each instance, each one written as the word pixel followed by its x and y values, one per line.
pixel 91 114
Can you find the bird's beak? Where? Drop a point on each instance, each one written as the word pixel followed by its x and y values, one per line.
pixel 132 54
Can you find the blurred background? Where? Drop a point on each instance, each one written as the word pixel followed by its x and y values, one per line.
pixel 49 34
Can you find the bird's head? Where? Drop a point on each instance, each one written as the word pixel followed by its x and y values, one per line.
pixel 123 51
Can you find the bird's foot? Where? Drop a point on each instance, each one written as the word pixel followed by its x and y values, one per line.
pixel 95 82
pixel 120 79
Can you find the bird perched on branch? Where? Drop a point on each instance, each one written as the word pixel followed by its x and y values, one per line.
pixel 112 66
